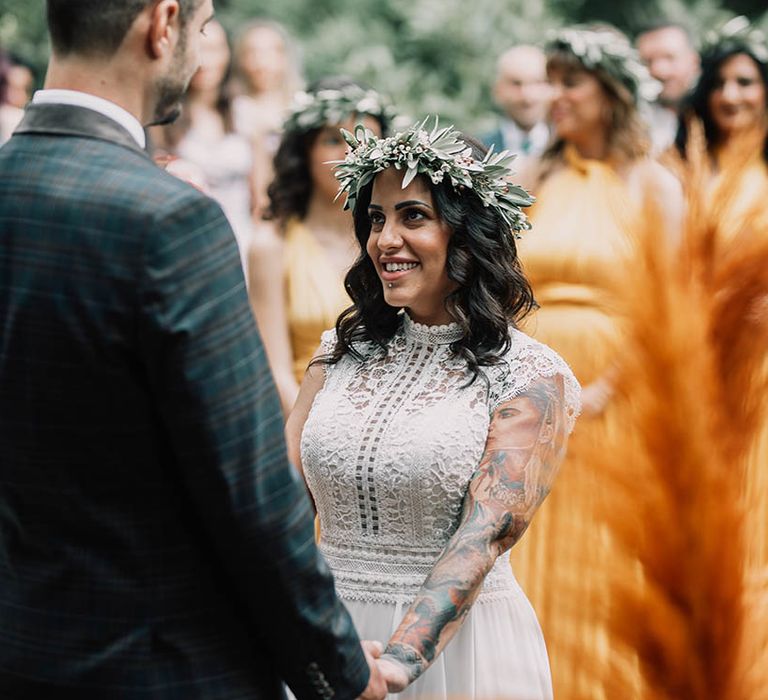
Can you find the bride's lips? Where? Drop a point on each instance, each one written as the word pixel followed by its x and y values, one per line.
pixel 392 276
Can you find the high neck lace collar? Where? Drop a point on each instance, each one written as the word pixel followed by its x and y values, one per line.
pixel 432 335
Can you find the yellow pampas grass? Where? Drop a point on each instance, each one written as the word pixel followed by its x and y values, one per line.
pixel 692 387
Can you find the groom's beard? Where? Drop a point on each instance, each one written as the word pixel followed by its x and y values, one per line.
pixel 170 92
pixel 170 117
pixel 171 87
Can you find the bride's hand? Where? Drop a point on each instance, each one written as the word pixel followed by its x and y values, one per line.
pixel 394 673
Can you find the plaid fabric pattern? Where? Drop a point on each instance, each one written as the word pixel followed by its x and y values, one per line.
pixel 154 541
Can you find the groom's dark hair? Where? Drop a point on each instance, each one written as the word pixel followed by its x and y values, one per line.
pixel 97 27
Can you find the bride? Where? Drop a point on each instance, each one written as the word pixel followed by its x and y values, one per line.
pixel 429 429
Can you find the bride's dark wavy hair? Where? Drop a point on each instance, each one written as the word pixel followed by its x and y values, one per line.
pixel 493 291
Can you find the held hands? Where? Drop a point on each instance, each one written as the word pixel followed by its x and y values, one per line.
pixel 394 673
pixel 387 674
pixel 377 685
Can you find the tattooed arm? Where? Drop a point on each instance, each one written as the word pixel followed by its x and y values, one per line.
pixel 526 443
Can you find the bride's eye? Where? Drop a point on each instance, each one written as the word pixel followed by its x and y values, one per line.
pixel 377 220
pixel 414 216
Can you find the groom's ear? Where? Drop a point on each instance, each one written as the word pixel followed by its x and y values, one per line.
pixel 164 31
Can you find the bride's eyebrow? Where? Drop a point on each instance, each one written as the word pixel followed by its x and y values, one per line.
pixel 411 203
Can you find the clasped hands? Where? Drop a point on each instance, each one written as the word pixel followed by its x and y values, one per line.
pixel 387 676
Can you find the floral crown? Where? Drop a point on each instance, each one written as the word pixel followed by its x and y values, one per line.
pixel 609 51
pixel 737 33
pixel 313 110
pixel 440 154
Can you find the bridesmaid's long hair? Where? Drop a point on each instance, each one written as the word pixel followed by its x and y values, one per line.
pixel 493 292
pixel 627 135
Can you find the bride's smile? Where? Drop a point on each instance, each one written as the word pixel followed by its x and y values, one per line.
pixel 408 245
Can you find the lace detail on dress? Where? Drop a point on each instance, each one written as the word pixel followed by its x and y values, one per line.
pixel 438 335
pixel 526 361
pixel 390 445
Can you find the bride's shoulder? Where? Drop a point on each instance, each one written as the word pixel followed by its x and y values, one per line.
pixel 525 361
pixel 522 346
pixel 362 348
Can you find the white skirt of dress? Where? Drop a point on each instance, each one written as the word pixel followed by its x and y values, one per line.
pixel 498 654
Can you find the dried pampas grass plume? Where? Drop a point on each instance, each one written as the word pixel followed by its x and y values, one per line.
pixel 693 386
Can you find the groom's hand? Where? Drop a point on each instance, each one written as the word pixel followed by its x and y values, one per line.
pixel 377 686
pixel 394 673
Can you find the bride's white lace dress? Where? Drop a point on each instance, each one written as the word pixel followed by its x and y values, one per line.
pixel 388 450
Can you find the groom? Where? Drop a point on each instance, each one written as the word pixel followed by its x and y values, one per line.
pixel 154 541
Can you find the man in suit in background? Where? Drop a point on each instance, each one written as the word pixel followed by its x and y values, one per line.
pixel 667 48
pixel 522 93
pixel 154 541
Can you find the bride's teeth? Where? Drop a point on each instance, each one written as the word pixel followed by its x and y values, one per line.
pixel 399 267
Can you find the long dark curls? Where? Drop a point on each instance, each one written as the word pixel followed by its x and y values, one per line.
pixel 697 103
pixel 493 292
pixel 291 188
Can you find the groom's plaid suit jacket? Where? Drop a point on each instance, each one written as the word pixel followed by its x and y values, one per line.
pixel 154 542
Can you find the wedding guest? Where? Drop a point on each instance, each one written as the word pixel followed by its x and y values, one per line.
pixel 154 541
pixel 521 92
pixel 730 96
pixel 429 429
pixel 268 72
pixel 21 82
pixel 593 186
pixel 668 49
pixel 298 261
pixel 10 114
pixel 205 137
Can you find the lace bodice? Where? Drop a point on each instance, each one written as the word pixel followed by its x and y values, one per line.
pixel 390 445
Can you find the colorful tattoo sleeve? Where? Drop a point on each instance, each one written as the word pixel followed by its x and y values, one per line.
pixel 526 444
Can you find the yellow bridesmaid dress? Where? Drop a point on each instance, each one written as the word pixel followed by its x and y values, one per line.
pixel 314 291
pixel 574 257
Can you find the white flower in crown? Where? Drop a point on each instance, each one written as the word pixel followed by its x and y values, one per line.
pixel 738 31
pixel 331 106
pixel 437 153
pixel 301 100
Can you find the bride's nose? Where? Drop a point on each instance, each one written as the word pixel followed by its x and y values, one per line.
pixel 389 238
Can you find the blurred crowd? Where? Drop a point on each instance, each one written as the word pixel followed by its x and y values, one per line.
pixel 607 130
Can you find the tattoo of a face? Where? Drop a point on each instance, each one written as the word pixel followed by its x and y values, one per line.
pixel 526 443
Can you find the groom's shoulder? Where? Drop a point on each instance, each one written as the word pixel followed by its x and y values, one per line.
pixel 89 169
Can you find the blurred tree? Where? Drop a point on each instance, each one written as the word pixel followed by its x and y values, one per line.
pixel 431 56
pixel 22 30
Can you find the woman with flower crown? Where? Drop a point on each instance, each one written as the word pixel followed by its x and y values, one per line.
pixel 730 104
pixel 429 429
pixel 591 186
pixel 298 260
pixel 725 127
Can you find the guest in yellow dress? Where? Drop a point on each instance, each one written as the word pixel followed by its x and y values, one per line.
pixel 730 102
pixel 591 187
pixel 297 260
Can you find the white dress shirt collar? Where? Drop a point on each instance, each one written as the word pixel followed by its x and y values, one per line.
pixel 514 136
pixel 109 109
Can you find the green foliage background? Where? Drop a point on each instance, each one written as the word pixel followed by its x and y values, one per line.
pixel 431 56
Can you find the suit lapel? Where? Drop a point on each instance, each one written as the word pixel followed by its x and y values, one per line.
pixel 67 120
